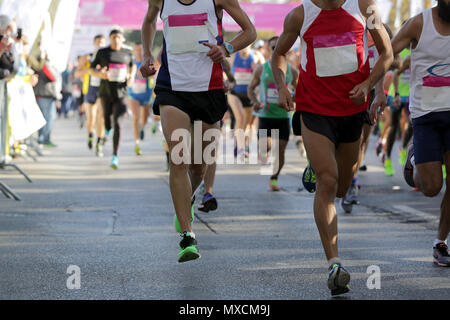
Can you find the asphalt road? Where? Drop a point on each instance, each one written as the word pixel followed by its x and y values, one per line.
pixel 117 228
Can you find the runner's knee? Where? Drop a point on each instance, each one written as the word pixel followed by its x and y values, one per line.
pixel 327 182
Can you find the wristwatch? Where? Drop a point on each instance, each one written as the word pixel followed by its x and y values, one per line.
pixel 228 47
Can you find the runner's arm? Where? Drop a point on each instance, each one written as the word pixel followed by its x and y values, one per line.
pixel 254 83
pixel 292 26
pixel 148 35
pixel 295 73
pixel 227 70
pixel 382 42
pixel 408 35
pixel 131 74
pixel 248 34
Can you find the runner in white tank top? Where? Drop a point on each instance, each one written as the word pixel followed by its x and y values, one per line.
pixel 428 35
pixel 189 88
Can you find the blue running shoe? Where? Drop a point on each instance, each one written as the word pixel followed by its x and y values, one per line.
pixel 309 179
pixel 338 279
pixel 114 163
pixel 209 203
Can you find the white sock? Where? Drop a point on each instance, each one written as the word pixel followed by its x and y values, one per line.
pixel 437 241
pixel 333 261
pixel 190 234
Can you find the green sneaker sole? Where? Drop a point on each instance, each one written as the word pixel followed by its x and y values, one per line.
pixel 188 254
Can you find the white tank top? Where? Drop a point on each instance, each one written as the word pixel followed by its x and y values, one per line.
pixel 185 65
pixel 430 71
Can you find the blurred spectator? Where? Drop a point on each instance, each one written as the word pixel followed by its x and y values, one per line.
pixel 67 91
pixel 46 92
pixel 6 42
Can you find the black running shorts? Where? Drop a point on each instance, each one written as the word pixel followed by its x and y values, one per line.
pixel 246 103
pixel 282 125
pixel 337 129
pixel 206 106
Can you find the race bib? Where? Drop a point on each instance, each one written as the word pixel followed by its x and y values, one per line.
pixel 335 54
pixel 243 76
pixel 436 92
pixel 187 33
pixel 118 72
pixel 139 86
pixel 95 82
pixel 372 60
pixel 406 76
pixel 272 93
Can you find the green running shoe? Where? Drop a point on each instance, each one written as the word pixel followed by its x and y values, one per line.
pixel 188 248
pixel 309 179
pixel 177 223
pixel 444 172
pixel 273 184
pixel 403 155
pixel 388 169
pixel 138 150
pixel 338 279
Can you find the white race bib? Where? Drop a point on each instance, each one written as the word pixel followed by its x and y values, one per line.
pixel 95 82
pixel 243 76
pixel 436 92
pixel 406 76
pixel 335 54
pixel 372 60
pixel 139 86
pixel 272 93
pixel 118 72
pixel 187 33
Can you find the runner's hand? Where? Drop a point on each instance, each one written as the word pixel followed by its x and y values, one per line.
pixel 147 68
pixel 359 93
pixel 229 85
pixel 217 53
pixel 257 106
pixel 104 73
pixel 379 103
pixel 285 99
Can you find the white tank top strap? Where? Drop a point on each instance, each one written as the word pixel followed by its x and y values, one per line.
pixel 352 7
pixel 311 13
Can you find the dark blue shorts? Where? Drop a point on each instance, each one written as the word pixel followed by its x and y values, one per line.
pixel 92 95
pixel 431 137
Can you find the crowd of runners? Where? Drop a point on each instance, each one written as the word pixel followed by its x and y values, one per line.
pixel 347 78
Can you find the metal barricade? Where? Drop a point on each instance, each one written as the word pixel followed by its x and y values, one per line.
pixel 4 142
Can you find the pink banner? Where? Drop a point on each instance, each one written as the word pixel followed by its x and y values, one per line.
pixel 129 14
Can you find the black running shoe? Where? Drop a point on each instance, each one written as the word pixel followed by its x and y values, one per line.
pixel 408 170
pixel 209 203
pixel 441 256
